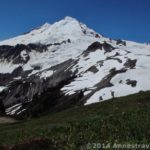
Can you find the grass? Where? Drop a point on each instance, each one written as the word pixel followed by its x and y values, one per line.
pixel 120 120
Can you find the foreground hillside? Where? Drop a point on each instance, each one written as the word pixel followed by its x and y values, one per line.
pixel 119 120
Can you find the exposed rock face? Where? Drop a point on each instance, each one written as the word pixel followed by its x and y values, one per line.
pixel 5 78
pixel 94 46
pixel 23 90
pixel 97 45
pixel 131 82
pixel 17 71
pixel 130 63
pixel 107 47
pixel 19 54
pixel 51 100
pixel 93 69
pixel 120 42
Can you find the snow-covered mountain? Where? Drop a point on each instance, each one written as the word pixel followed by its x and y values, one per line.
pixel 66 63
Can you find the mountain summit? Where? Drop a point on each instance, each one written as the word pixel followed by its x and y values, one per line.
pixel 68 28
pixel 57 66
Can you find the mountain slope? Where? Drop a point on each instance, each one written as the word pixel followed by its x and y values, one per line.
pixel 65 64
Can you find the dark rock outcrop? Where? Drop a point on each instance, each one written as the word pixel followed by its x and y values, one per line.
pixel 109 58
pixel 130 63
pixel 107 47
pixel 37 47
pixel 97 45
pixel 92 69
pixel 5 78
pixel 131 82
pixel 13 53
pixel 60 43
pixel 17 71
pixel 120 42
pixel 94 46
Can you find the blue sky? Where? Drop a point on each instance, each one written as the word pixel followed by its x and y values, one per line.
pixel 125 19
